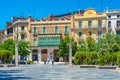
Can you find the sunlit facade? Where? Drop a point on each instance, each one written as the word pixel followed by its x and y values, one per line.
pixel 113 21
pixel 45 34
pixel 89 21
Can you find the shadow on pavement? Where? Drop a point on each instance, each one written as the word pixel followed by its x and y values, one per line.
pixel 7 75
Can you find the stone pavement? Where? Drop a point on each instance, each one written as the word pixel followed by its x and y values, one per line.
pixel 56 72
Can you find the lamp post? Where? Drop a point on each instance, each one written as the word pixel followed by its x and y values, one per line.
pixel 16 47
pixel 70 54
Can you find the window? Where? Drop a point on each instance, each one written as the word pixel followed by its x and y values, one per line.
pixel 99 33
pixel 56 29
pixel 22 28
pixel 90 33
pixel 99 23
pixel 80 24
pixel 79 43
pixel 118 16
pixel 66 30
pixel 89 24
pixel 35 31
pixel 22 37
pixel 118 32
pixel 44 30
pixel 109 16
pixel 80 34
pixel 118 24
pixel 35 42
pixel 109 24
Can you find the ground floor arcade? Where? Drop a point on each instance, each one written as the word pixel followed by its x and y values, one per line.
pixel 41 53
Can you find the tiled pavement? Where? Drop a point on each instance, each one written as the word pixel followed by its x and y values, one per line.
pixel 56 72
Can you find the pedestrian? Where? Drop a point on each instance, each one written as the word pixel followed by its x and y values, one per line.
pixel 44 61
pixel 53 61
pixel 48 60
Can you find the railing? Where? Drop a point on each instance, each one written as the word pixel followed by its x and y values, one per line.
pixel 86 27
pixel 34 33
pixel 49 32
pixel 11 34
pixel 113 11
pixel 23 31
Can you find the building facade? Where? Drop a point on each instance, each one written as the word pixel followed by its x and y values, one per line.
pixel 45 34
pixel 2 36
pixel 113 21
pixel 89 21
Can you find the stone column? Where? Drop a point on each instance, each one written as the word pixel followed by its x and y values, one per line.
pixel 29 57
pixel 39 54
pixel 50 51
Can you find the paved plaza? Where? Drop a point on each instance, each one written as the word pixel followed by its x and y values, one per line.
pixel 56 72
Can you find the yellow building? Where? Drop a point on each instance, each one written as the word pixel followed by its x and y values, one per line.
pixel 89 21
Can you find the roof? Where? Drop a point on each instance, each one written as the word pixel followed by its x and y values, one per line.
pixel 62 16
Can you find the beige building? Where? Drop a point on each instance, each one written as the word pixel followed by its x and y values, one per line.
pixel 2 36
pixel 44 35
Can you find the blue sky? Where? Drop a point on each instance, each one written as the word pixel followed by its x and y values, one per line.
pixel 42 8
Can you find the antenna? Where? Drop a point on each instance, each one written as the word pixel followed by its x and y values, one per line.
pixel 101 7
pixel 33 9
pixel 21 13
pixel 78 4
pixel 67 7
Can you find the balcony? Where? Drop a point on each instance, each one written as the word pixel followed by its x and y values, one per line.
pixel 50 32
pixel 86 27
pixel 23 32
pixel 9 35
pixel 35 34
pixel 66 33
pixel 117 28
pixel 80 38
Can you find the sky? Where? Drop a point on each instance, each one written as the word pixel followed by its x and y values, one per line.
pixel 42 8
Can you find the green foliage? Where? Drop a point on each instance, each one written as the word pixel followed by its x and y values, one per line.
pixel 118 58
pixel 9 44
pixel 6 56
pixel 83 58
pixel 64 46
pixel 88 45
pixel 29 62
pixel 79 57
pixel 106 51
pixel 23 48
pixel 93 58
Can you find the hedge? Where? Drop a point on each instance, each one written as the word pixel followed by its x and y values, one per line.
pixel 6 56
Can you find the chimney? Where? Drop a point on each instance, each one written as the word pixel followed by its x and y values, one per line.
pixel 78 11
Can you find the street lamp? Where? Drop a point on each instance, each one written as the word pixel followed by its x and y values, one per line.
pixel 70 54
pixel 16 46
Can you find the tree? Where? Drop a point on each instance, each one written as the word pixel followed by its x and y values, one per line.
pixel 9 44
pixel 23 48
pixel 88 45
pixel 6 56
pixel 64 46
